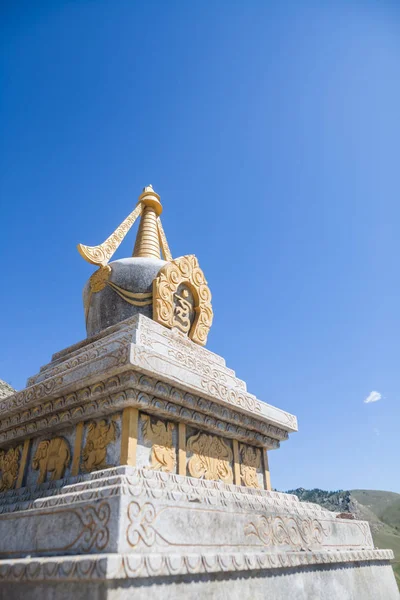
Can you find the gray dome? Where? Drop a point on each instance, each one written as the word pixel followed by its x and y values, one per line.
pixel 106 307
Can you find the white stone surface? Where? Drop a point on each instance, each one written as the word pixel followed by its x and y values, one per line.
pixel 359 581
pixel 128 531
pixel 141 511
pixel 140 363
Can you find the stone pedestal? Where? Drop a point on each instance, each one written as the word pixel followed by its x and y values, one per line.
pixel 135 465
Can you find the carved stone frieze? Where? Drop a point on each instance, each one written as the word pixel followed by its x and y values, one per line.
pixel 179 342
pixel 164 390
pixel 149 522
pixel 159 434
pixel 59 405
pixel 149 483
pixel 18 400
pixel 82 358
pixel 99 435
pixel 30 396
pixel 212 458
pixel 52 456
pixel 128 566
pixel 94 533
pixel 281 530
pixel 116 347
pixel 241 400
pixel 250 463
pixel 9 465
pixel 140 527
pixel 174 350
pixel 122 390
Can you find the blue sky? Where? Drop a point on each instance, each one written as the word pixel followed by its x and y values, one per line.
pixel 271 131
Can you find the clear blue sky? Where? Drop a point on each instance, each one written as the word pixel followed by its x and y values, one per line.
pixel 272 132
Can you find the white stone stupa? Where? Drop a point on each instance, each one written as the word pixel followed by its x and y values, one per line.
pixel 135 464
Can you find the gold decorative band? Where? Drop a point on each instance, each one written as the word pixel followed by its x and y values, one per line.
pixel 138 299
pixel 101 278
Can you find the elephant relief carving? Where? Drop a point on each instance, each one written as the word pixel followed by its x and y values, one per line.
pixel 52 456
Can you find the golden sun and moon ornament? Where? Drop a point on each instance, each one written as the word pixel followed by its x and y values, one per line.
pixel 181 297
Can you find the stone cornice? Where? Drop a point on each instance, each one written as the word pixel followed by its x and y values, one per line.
pixel 167 357
pixel 128 566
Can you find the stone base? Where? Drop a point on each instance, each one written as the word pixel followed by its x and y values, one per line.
pixel 128 532
pixel 354 581
pixel 118 465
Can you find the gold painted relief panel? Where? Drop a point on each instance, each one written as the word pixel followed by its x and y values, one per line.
pixel 9 467
pixel 159 435
pixel 212 457
pixel 250 465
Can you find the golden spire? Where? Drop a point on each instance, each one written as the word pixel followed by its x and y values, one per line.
pixel 149 238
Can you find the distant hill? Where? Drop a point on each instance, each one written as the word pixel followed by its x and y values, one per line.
pixel 5 389
pixel 381 509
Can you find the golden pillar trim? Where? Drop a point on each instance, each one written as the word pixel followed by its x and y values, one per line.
pixel 129 436
pixel 181 449
pixel 22 465
pixel 236 463
pixel 77 449
pixel 266 471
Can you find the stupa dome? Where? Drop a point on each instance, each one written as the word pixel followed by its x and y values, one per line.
pixel 173 292
pixel 127 293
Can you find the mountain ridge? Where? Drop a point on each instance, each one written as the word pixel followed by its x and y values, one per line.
pixel 380 508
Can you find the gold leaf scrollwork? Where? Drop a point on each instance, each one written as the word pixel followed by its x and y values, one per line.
pixel 163 453
pixel 99 436
pixel 51 455
pixel 184 270
pixel 99 278
pixel 9 461
pixel 212 458
pixel 250 461
pixel 100 255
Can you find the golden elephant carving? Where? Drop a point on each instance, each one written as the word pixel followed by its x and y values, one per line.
pixel 52 456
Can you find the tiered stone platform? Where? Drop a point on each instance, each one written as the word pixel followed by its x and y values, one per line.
pixel 135 465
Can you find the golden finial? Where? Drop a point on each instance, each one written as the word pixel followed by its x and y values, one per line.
pixel 149 238
pixel 150 198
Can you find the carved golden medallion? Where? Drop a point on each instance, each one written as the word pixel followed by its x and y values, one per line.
pixel 9 462
pixel 182 299
pixel 250 462
pixel 99 436
pixel 212 458
pixel 159 434
pixel 51 456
